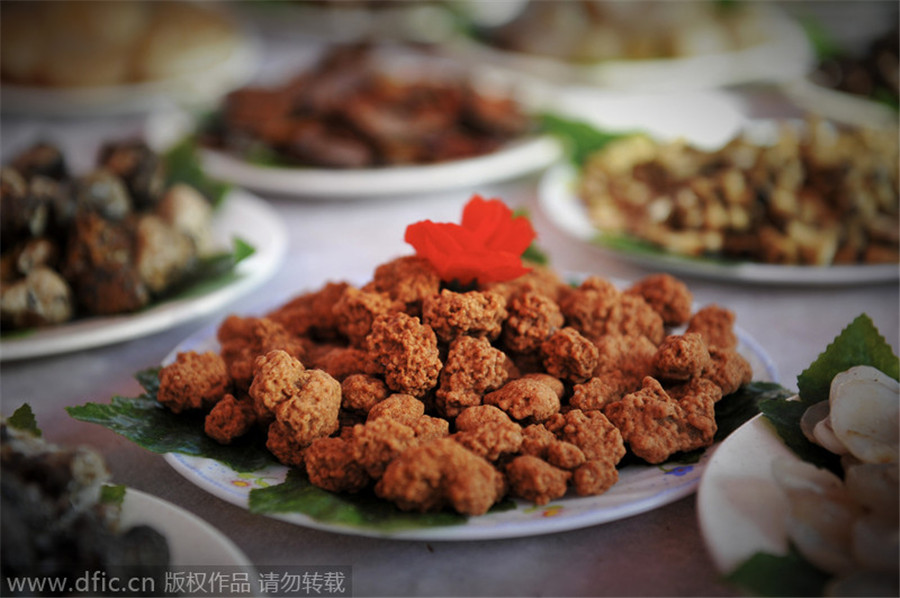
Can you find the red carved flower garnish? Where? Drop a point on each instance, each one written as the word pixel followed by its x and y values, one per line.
pixel 486 247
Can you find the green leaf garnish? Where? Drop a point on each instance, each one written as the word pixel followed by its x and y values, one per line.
pixel 579 138
pixel 148 424
pixel 112 494
pixel 183 166
pixel 772 575
pixel 211 272
pixel 297 495
pixel 23 419
pixel 785 416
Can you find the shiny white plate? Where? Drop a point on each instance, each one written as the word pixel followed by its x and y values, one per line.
pixel 784 56
pixel 558 200
pixel 640 488
pixel 192 541
pixel 739 505
pixel 240 215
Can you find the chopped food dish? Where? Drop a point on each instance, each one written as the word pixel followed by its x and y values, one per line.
pixel 462 374
pixel 816 195
pixel 60 518
pixel 102 243
pixel 347 111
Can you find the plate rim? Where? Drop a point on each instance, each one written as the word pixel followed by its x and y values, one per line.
pixel 255 270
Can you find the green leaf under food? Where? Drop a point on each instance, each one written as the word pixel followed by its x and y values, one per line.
pixel 636 246
pixel 859 343
pixel 822 40
pixel 23 419
pixel 785 416
pixel 580 139
pixel 183 166
pixel 772 575
pixel 211 272
pixel 112 494
pixel 148 424
pixel 297 495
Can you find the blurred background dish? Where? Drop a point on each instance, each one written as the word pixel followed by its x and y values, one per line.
pixel 63 58
pixel 646 45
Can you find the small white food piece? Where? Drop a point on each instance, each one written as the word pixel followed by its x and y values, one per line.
pixel 865 413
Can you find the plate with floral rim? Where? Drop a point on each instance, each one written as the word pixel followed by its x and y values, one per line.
pixel 641 487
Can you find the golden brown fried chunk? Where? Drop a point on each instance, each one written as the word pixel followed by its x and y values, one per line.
pixel 590 431
pixel 728 369
pixel 407 351
pixel 594 477
pixel 473 367
pixel 716 325
pixel 525 399
pixel 555 384
pixel 668 296
pixel 378 442
pixel 230 418
pixel 565 455
pixel 428 428
pixel 681 357
pixel 629 356
pixel 568 355
pixel 631 315
pixel 540 279
pixel 355 311
pixel 488 432
pixel 341 362
pixel 532 318
pixel 330 465
pixel 404 408
pixel 242 340
pixel 306 402
pixel 587 307
pixel 193 381
pixel 597 392
pixel 311 314
pixel 474 313
pixel 281 444
pixel 536 480
pixel 536 440
pixel 657 424
pixel 361 392
pixel 439 474
pixel 408 279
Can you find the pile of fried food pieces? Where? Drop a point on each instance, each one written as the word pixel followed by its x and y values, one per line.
pixel 442 398
pixel 819 195
pixel 102 243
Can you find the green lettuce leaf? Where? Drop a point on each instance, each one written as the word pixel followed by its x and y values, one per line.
pixel 23 419
pixel 112 494
pixel 775 575
pixel 580 139
pixel 182 164
pixel 144 421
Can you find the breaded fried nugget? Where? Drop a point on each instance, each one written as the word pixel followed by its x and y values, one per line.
pixel 305 402
pixel 631 315
pixel 657 424
pixel 590 431
pixel 441 473
pixel 567 354
pixel 598 392
pixel 330 465
pixel 404 408
pixel 341 362
pixel 242 340
pixel 355 311
pixel 555 384
pixel 525 399
pixel 587 307
pixel 407 351
pixel 728 369
pixel 474 313
pixel 536 439
pixel 378 442
pixel 361 392
pixel 668 296
pixel 532 318
pixel 629 357
pixel 488 432
pixel 681 357
pixel 408 279
pixel 540 279
pixel 536 480
pixel 281 444
pixel 311 314
pixel 193 381
pixel 473 367
pixel 716 325
pixel 230 418
pixel 594 477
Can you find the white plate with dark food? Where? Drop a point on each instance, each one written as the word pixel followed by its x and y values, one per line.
pixel 560 200
pixel 640 488
pixel 402 124
pixel 643 46
pixel 127 58
pixel 240 215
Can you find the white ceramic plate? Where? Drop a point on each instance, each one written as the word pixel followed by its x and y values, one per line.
pixel 640 488
pixel 194 89
pixel 192 541
pixel 559 201
pixel 240 215
pixel 783 56
pixel 740 507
